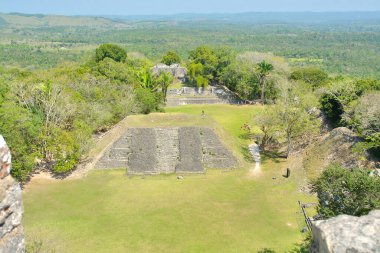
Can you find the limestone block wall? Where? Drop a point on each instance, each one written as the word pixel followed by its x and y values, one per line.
pixel 11 208
pixel 167 150
pixel 347 234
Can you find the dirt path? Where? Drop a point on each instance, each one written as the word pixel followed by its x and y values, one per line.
pixel 254 149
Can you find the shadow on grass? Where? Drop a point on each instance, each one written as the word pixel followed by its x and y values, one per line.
pixel 276 157
pixel 247 154
pixel 266 155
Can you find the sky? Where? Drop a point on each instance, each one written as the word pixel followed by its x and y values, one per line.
pixel 160 7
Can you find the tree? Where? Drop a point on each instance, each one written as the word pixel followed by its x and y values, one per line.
pixel 264 69
pixel 340 99
pixel 290 118
pixel 225 57
pixel 19 122
pixel 147 80
pixel 111 51
pixel 367 114
pixel 196 75
pixel 148 100
pixel 268 122
pixel 341 191
pixel 367 85
pixel 238 77
pixel 294 110
pixel 365 119
pixel 313 76
pixel 116 71
pixel 171 58
pixel 205 56
pixel 332 107
pixel 164 80
pixel 214 61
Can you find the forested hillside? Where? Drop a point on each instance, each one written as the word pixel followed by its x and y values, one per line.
pixel 345 43
pixel 55 113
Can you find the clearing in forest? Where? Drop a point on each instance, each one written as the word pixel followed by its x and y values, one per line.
pixel 106 211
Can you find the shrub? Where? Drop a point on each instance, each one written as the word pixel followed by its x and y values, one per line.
pixel 171 58
pixel 148 101
pixel 342 191
pixel 332 107
pixel 314 76
pixel 111 51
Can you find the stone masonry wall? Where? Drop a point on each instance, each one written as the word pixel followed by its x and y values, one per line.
pixel 11 208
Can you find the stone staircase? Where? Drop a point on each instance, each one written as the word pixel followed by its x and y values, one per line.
pixel 167 150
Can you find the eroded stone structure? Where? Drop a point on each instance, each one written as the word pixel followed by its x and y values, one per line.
pixel 167 150
pixel 175 69
pixel 193 95
pixel 347 234
pixel 11 208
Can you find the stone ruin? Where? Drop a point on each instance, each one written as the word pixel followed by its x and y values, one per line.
pixel 11 209
pixel 214 94
pixel 347 234
pixel 149 151
pixel 175 69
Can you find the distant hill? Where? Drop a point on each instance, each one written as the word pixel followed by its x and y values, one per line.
pixel 20 20
pixel 264 17
pixel 39 20
pixel 2 21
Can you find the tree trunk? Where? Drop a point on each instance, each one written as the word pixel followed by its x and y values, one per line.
pixel 263 83
pixel 165 94
pixel 289 139
pixel 265 139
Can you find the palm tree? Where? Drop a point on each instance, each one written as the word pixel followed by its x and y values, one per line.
pixel 264 69
pixel 164 81
pixel 147 80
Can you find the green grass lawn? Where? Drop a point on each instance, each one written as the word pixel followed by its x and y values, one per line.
pixel 216 212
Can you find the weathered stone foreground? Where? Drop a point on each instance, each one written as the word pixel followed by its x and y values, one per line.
pixel 347 234
pixel 167 150
pixel 11 209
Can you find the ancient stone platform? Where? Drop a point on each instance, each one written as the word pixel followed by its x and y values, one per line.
pixel 209 95
pixel 144 151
